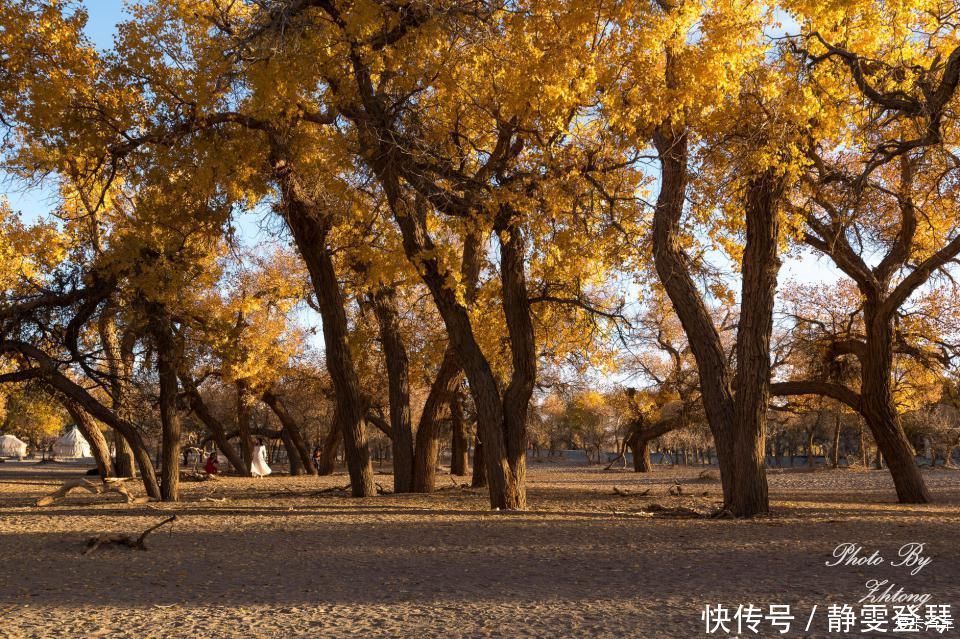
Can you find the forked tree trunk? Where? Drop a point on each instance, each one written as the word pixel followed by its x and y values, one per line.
pixel 448 377
pixel 501 429
pixel 458 444
pixel 94 436
pixel 169 417
pixel 737 422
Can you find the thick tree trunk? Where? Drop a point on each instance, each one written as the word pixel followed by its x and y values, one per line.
pixel 881 415
pixel 761 264
pixel 310 229
pixel 458 444
pixel 169 417
pixel 94 436
pixel 292 433
pixel 640 449
pixel 398 382
pixel 479 479
pixel 328 451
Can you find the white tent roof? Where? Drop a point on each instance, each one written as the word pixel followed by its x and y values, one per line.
pixel 72 444
pixel 10 446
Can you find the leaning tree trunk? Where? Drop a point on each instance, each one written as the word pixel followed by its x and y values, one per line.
pixel 881 416
pixel 309 226
pixel 458 443
pixel 293 456
pixel 398 382
pixel 504 468
pixel 428 430
pixel 74 391
pixel 291 432
pixel 448 377
pixel 169 417
pixel 94 436
pixel 674 272
pixel 216 428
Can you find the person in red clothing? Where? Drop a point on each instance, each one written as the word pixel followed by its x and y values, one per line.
pixel 212 467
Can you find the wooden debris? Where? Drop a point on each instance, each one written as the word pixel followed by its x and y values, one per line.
pixel 194 475
pixel 125 540
pixel 108 485
pixel 623 492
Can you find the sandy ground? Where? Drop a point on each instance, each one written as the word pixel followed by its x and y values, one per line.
pixel 276 559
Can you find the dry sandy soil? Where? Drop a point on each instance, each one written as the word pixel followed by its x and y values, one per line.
pixel 275 558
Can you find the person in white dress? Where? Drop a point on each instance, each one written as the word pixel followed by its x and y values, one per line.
pixel 258 465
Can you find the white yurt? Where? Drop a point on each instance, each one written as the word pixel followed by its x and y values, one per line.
pixel 10 446
pixel 71 446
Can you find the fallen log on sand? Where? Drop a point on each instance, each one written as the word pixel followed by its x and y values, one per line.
pixel 125 540
pixel 108 485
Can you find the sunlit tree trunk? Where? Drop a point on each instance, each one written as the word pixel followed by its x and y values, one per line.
pixel 738 423
pixel 94 436
pixel 880 412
